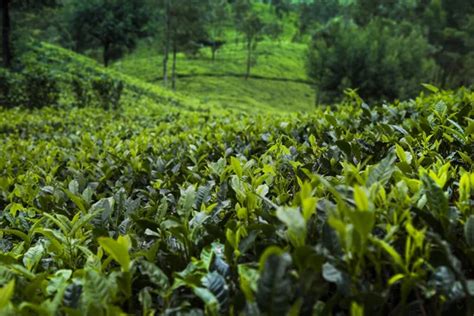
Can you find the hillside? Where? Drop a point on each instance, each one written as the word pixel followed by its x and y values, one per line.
pixel 66 66
pixel 278 79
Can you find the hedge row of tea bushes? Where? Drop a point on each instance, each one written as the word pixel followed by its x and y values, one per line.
pixel 48 75
pixel 357 210
pixel 37 87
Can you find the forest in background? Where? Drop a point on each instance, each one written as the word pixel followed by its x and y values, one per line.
pixel 384 49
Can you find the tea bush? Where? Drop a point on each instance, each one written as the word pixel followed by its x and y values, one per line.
pixel 108 91
pixel 47 77
pixel 82 91
pixel 11 93
pixel 32 87
pixel 154 210
pixel 41 87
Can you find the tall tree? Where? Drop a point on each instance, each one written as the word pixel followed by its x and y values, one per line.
pixel 6 29
pixel 282 7
pixel 7 6
pixel 316 12
pixel 217 18
pixel 372 58
pixel 249 23
pixel 185 26
pixel 448 24
pixel 116 26
pixel 167 39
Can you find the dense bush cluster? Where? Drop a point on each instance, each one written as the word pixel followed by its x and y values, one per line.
pixel 37 88
pixel 42 81
pixel 32 87
pixel 360 210
pixel 378 47
pixel 374 59
pixel 10 92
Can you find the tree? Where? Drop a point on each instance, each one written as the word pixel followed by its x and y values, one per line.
pixel 6 26
pixel 7 6
pixel 217 17
pixel 383 60
pixel 365 11
pixel 449 27
pixel 316 13
pixel 282 7
pixel 167 38
pixel 114 25
pixel 249 23
pixel 185 21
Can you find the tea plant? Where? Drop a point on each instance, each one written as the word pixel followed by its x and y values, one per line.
pixel 153 210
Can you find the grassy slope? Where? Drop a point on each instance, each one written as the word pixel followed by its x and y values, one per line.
pixel 66 64
pixel 282 82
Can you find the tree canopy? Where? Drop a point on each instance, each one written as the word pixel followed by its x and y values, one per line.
pixel 115 26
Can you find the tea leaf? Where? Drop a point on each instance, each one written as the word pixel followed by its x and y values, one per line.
pixel 469 231
pixel 6 293
pixel 118 250
pixel 274 285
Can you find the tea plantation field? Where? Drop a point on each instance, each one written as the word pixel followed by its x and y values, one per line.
pixel 278 79
pixel 166 206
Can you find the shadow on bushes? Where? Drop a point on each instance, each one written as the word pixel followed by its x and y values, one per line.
pixel 37 87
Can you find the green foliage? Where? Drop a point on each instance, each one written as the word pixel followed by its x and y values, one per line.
pixel 187 24
pixel 314 13
pixel 450 26
pixel 6 293
pixel 469 231
pixel 153 209
pixel 365 11
pixel 446 25
pixel 274 285
pixel 15 14
pixel 249 22
pixel 33 87
pixel 115 26
pixel 81 91
pixel 11 93
pixel 108 90
pixel 373 59
pixel 40 87
pixel 118 250
pixel 52 76
pixel 278 80
pixel 389 49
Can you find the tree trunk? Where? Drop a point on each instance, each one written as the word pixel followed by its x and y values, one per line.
pixel 6 29
pixel 167 43
pixel 165 66
pixel 105 54
pixel 249 58
pixel 173 70
pixel 214 49
pixel 317 96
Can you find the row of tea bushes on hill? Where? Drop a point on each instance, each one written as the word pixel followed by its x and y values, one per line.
pixel 51 76
pixel 358 210
pixel 36 88
pixel 88 83
pixel 29 88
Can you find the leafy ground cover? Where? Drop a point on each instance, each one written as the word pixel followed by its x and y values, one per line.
pixel 222 83
pixel 67 79
pixel 274 59
pixel 153 209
